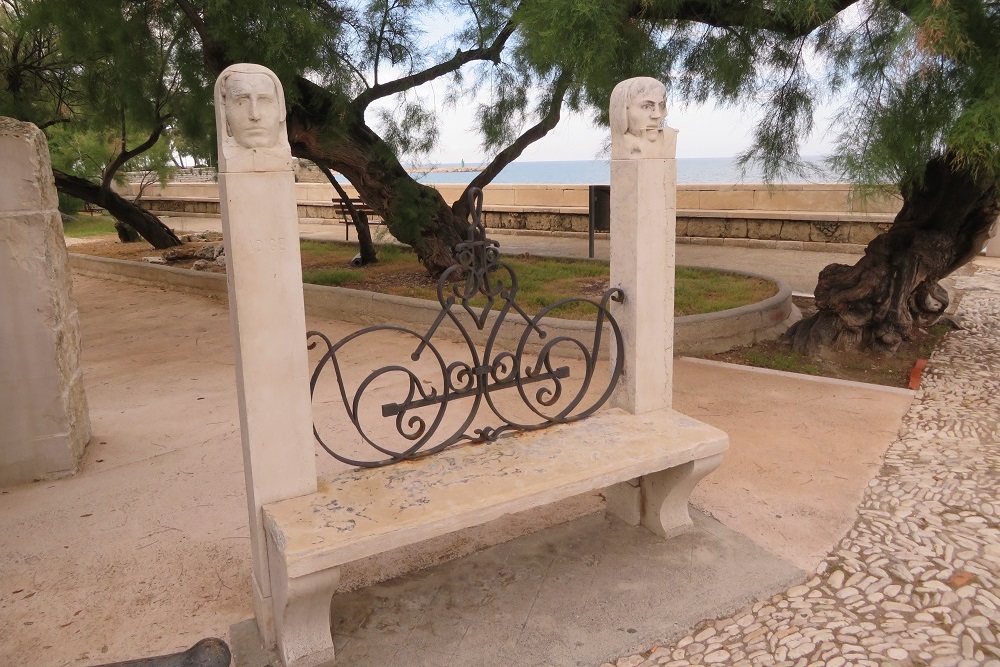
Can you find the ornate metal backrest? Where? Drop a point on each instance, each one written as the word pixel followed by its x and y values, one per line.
pixel 478 273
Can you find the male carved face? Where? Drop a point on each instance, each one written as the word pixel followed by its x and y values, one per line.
pixel 646 112
pixel 252 111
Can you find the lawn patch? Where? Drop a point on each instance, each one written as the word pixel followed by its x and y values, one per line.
pixel 82 227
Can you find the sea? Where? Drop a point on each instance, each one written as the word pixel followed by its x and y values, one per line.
pixel 598 172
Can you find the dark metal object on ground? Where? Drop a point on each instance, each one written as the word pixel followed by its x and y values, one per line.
pixel 209 652
pixel 422 411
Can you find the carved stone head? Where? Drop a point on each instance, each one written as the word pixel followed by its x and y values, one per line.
pixel 638 111
pixel 250 120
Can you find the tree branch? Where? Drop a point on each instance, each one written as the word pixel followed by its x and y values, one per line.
pixel 491 52
pixel 360 220
pixel 127 155
pixel 148 225
pixel 54 121
pixel 734 15
pixel 381 40
pixel 215 56
pixel 514 150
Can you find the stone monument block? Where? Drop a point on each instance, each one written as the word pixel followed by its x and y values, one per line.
pixel 44 423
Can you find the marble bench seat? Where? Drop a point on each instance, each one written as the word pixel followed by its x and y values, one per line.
pixel 647 463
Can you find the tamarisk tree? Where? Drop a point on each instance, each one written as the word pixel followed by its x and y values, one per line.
pixel 91 105
pixel 917 79
pixel 919 85
pixel 920 92
pixel 924 114
pixel 356 78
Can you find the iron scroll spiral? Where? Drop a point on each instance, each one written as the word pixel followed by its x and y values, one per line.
pixel 538 380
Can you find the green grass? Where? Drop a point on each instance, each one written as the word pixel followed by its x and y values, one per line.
pixel 334 277
pixel 389 252
pixel 705 291
pixel 83 226
pixel 793 362
pixel 541 281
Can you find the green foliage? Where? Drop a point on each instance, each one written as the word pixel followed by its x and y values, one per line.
pixel 98 78
pixel 918 84
pixel 916 78
pixel 542 281
pixel 69 205
pixel 783 360
pixel 389 252
pixel 410 130
pixel 332 277
pixel 35 80
pixel 81 150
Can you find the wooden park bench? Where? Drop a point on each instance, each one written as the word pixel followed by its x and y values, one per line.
pixel 437 483
pixel 92 209
pixel 341 208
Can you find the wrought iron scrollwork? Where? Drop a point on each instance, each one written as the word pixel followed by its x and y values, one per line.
pixel 492 376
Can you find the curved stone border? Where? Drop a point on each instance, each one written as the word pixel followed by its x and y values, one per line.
pixel 693 334
pixel 723 330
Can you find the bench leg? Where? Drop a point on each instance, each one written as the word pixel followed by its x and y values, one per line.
pixel 665 495
pixel 302 618
pixel 659 501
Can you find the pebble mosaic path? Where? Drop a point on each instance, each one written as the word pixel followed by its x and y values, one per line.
pixel 915 581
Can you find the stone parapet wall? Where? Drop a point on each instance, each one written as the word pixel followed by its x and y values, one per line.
pixel 777 228
pixel 180 175
pixel 801 213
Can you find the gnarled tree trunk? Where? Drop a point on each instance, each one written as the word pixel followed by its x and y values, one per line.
pixel 893 290
pixel 333 134
pixel 142 221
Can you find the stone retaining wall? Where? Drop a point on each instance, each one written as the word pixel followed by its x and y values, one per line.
pixel 804 213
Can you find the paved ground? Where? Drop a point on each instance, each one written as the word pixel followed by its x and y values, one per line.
pixel 916 581
pixel 145 550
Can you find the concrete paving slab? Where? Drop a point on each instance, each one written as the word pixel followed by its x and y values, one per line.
pixel 570 595
pixel 802 450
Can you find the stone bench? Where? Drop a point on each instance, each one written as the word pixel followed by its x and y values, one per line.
pixel 644 457
pixel 647 464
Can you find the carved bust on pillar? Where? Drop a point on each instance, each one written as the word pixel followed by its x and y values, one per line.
pixel 638 111
pixel 250 120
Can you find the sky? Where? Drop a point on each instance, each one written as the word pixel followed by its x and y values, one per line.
pixel 705 131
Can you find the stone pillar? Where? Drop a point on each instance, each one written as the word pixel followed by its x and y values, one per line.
pixel 260 229
pixel 45 425
pixel 643 227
